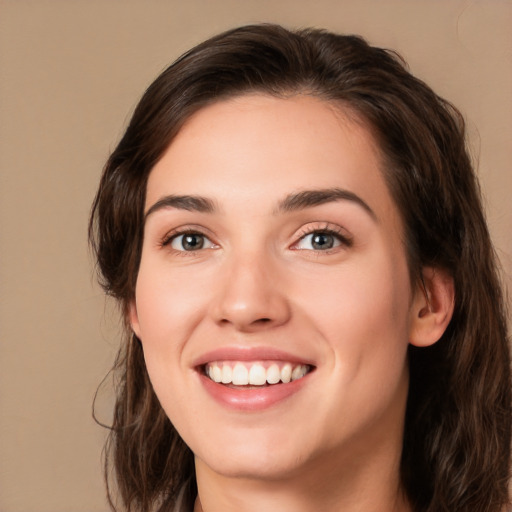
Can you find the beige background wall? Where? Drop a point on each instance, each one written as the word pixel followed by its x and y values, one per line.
pixel 71 71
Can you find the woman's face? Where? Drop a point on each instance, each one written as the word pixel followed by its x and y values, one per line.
pixel 273 253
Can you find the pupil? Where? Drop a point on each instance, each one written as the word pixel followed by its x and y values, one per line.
pixel 192 242
pixel 322 241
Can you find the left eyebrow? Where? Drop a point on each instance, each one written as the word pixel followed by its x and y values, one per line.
pixel 308 198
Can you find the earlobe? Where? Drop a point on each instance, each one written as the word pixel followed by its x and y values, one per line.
pixel 432 307
pixel 133 318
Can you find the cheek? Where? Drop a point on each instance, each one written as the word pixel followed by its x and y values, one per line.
pixel 169 307
pixel 363 312
pixel 168 303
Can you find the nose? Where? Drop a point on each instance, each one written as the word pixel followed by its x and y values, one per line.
pixel 252 295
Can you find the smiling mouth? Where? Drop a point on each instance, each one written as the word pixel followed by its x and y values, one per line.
pixel 259 374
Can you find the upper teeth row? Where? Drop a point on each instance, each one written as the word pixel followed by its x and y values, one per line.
pixel 255 374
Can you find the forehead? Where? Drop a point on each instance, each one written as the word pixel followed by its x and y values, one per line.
pixel 258 148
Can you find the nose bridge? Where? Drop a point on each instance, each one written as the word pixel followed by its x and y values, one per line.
pixel 250 296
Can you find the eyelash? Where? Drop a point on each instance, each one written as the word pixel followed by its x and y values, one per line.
pixel 170 237
pixel 341 237
pixel 335 232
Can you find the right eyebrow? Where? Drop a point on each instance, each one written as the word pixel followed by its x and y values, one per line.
pixel 189 203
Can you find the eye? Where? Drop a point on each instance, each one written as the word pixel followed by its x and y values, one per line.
pixel 321 240
pixel 190 242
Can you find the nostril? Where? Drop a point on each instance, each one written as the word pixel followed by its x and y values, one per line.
pixel 254 324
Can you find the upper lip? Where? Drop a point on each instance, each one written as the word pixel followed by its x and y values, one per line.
pixel 250 354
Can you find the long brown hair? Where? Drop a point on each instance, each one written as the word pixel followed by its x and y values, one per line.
pixel 456 448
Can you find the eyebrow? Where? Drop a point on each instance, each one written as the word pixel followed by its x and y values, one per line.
pixel 309 198
pixel 292 202
pixel 189 203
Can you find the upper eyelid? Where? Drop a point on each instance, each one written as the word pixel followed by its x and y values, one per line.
pixel 324 227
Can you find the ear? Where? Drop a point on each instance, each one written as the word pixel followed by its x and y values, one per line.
pixel 432 307
pixel 133 318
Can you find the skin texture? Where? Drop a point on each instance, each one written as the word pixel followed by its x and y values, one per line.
pixel 258 282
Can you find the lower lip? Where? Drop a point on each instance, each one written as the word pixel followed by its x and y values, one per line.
pixel 254 398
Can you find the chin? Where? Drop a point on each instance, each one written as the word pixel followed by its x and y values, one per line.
pixel 256 454
pixel 258 465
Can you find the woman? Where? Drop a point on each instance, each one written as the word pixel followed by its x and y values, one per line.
pixel 293 228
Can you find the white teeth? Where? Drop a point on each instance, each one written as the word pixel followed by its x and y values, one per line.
pixel 254 374
pixel 240 375
pixel 217 373
pixel 286 373
pixel 299 372
pixel 227 374
pixel 257 375
pixel 273 374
